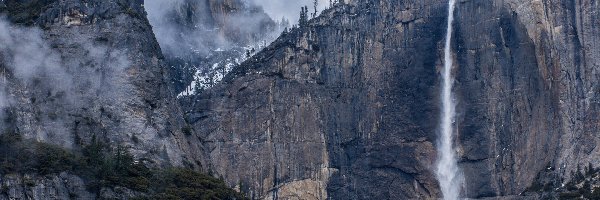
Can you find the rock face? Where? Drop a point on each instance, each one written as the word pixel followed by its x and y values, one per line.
pixel 63 186
pixel 347 106
pixel 76 70
pixel 60 186
pixel 203 39
pixel 92 68
pixel 343 107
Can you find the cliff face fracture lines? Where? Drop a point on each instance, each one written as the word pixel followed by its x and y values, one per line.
pixel 447 171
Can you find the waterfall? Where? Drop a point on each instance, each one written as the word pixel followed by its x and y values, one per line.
pixel 447 171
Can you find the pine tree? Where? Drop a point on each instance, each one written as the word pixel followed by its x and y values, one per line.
pixel 306 15
pixel 303 17
pixel 284 23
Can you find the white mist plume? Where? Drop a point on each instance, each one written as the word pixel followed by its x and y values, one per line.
pixel 447 171
pixel 28 56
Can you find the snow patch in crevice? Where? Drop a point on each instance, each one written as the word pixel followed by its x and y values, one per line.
pixel 207 77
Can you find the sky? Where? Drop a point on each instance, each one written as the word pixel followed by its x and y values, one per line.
pixel 289 9
pixel 168 34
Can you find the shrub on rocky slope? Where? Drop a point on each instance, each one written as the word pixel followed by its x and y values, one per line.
pixel 104 167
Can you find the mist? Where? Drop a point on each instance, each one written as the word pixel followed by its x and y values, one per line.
pixel 183 26
pixel 289 9
pixel 48 87
pixel 28 56
pixel 191 27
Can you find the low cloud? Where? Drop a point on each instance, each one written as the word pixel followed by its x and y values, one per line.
pixel 289 9
pixel 27 55
pixel 47 86
pixel 184 26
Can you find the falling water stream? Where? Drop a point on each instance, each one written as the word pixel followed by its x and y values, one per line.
pixel 447 171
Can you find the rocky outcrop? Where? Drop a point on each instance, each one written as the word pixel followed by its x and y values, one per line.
pixel 63 186
pixel 567 46
pixel 543 107
pixel 78 69
pixel 343 107
pixel 350 102
pixel 203 39
pixel 60 186
pixel 322 104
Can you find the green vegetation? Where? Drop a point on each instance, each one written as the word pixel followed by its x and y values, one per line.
pixel 105 167
pixel 127 9
pixel 584 184
pixel 19 156
pixel 186 184
pixel 23 12
pixel 187 130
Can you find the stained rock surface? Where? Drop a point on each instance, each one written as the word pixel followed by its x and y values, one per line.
pixel 347 106
pixel 97 72
pixel 76 70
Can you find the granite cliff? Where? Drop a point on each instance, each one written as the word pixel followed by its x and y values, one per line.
pixel 344 106
pixel 98 72
pixel 77 70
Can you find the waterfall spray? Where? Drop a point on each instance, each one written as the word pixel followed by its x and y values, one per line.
pixel 447 172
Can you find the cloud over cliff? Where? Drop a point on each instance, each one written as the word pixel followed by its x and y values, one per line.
pixel 37 79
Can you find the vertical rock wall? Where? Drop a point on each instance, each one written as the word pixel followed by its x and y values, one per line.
pixel 95 69
pixel 359 87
